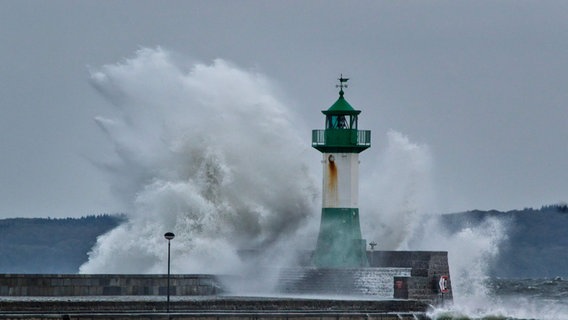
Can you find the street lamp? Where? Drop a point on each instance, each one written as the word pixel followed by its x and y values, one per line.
pixel 169 236
pixel 372 245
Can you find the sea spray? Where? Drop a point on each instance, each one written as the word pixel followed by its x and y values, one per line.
pixel 472 250
pixel 398 190
pixel 399 213
pixel 207 152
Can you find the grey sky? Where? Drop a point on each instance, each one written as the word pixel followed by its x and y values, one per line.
pixel 482 83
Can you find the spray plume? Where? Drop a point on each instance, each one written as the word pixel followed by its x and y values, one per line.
pixel 397 193
pixel 210 153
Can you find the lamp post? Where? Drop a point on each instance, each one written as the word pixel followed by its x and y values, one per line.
pixel 169 236
pixel 372 245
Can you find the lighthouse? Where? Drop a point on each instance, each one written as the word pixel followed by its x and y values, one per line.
pixel 339 243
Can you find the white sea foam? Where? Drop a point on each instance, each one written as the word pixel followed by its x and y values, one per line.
pixel 513 308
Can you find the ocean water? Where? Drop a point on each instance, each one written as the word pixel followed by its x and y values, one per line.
pixel 518 299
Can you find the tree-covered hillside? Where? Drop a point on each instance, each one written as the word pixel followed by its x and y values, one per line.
pixel 536 244
pixel 40 245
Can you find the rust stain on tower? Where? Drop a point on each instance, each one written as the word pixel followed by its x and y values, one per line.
pixel 332 182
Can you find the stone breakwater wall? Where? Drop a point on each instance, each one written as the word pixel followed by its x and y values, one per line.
pixel 391 274
pixel 371 282
pixel 413 275
pixel 214 304
pixel 223 316
pixel 214 308
pixel 107 285
pixel 426 269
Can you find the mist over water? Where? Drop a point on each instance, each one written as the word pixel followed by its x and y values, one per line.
pixel 209 152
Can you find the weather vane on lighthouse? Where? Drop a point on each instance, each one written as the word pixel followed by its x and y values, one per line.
pixel 342 83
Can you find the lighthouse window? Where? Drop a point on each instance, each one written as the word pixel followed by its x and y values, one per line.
pixel 341 122
pixel 353 122
pixel 337 122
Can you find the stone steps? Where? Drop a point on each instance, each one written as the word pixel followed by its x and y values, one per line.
pixel 376 282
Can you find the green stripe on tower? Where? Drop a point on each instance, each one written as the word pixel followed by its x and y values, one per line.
pixel 339 242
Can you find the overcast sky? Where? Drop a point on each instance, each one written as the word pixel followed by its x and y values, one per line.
pixel 482 83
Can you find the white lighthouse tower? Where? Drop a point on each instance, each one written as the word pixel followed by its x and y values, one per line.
pixel 339 243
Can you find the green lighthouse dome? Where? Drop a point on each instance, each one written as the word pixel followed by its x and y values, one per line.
pixel 341 106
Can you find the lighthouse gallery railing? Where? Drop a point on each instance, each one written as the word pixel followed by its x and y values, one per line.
pixel 341 137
